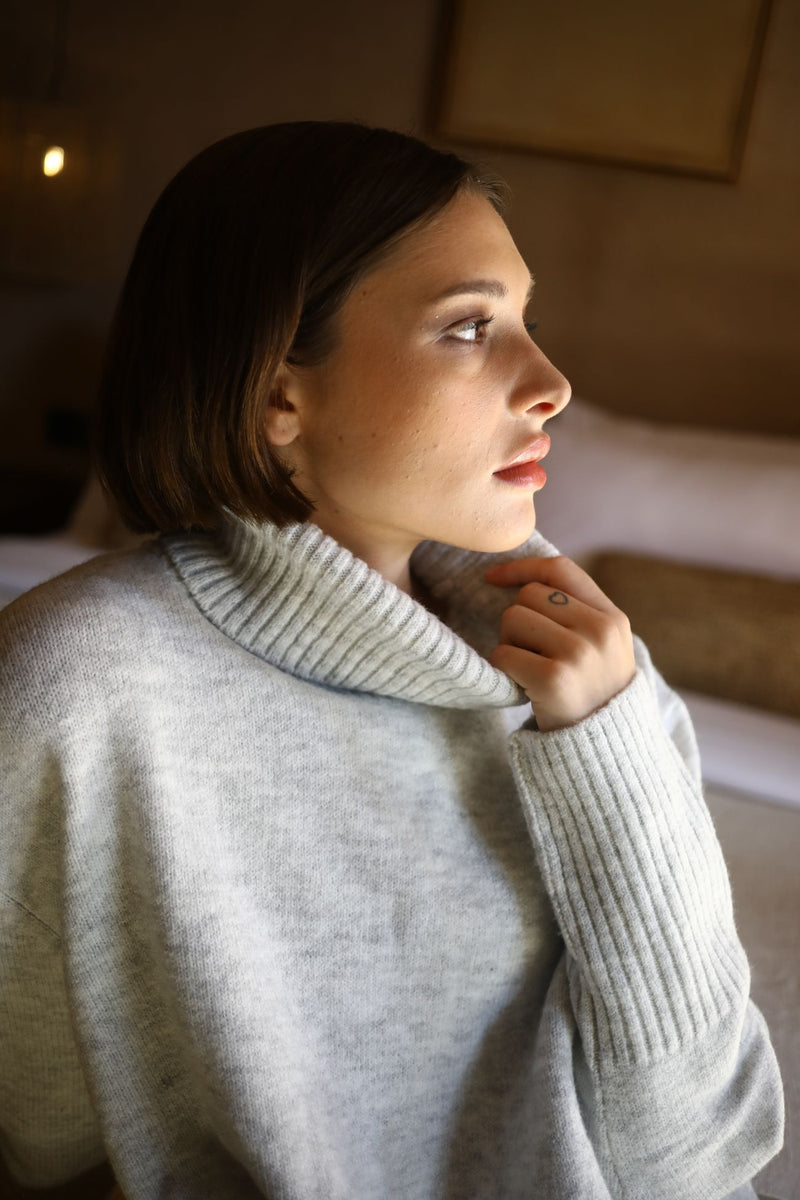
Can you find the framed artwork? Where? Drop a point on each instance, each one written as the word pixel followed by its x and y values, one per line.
pixel 641 83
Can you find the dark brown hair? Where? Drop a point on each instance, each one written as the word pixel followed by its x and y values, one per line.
pixel 242 265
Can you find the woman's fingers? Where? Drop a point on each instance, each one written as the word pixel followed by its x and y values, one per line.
pixel 531 650
pixel 530 628
pixel 563 641
pixel 560 574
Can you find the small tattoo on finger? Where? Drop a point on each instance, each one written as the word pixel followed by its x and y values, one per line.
pixel 558 598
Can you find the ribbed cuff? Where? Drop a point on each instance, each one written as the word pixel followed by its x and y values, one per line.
pixel 636 877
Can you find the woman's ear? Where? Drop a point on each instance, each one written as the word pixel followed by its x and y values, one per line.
pixel 283 409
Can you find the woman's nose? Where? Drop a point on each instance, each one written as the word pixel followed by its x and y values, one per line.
pixel 543 387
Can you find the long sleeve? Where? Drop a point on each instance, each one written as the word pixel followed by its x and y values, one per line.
pixel 678 1085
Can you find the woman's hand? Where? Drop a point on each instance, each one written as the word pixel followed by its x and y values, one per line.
pixel 562 640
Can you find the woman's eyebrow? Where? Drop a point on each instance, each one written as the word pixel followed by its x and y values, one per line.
pixel 483 287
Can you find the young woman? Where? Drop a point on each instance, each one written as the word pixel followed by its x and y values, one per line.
pixel 301 898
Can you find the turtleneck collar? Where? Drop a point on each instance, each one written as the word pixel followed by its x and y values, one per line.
pixel 299 600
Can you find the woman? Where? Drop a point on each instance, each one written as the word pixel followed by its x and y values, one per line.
pixel 302 898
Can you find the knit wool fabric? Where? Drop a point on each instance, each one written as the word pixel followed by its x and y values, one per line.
pixel 296 902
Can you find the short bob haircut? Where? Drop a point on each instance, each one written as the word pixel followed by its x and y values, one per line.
pixel 242 266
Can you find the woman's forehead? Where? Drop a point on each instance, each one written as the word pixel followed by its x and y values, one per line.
pixel 466 244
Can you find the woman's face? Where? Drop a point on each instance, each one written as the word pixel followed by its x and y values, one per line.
pixel 433 387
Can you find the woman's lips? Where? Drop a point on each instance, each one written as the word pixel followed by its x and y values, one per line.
pixel 524 474
pixel 524 470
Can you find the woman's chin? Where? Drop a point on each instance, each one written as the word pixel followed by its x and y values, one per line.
pixel 501 538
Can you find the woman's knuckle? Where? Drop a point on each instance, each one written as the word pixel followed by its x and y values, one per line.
pixel 607 635
pixel 623 621
pixel 529 593
pixel 560 676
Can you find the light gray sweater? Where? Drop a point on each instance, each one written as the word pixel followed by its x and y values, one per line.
pixel 296 902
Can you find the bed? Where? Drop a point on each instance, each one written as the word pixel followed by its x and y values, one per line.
pixel 708 522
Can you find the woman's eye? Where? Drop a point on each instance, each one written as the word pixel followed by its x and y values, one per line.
pixel 471 331
pixel 530 327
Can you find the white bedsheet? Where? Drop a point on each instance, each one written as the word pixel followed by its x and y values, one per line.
pixel 762 849
pixel 747 749
pixel 28 561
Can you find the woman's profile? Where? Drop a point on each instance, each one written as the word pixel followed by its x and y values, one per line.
pixel 352 847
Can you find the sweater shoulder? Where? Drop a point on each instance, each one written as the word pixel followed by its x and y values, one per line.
pixel 95 618
pixel 108 588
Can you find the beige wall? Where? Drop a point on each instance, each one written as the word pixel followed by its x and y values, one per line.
pixel 676 297
pixel 658 294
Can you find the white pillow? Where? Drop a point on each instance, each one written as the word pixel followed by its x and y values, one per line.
pixel 694 495
pixel 28 561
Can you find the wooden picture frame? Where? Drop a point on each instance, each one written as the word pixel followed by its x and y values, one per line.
pixel 636 83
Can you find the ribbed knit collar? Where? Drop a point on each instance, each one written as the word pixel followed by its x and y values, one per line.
pixel 302 602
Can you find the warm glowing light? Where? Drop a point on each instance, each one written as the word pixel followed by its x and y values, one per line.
pixel 53 161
